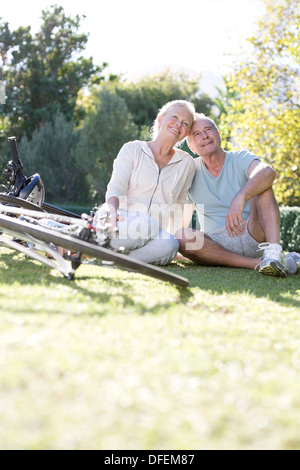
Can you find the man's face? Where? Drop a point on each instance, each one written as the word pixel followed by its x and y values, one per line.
pixel 204 139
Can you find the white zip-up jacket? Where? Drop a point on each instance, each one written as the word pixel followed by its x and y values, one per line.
pixel 142 187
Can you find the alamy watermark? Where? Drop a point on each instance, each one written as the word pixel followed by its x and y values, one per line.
pixel 2 92
pixel 136 226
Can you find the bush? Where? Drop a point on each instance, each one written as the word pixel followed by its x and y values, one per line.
pixel 290 228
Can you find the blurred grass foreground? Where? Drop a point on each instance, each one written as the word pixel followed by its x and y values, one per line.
pixel 117 360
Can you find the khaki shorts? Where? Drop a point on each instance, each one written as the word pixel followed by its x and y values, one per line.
pixel 244 245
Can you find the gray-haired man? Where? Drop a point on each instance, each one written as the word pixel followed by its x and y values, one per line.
pixel 234 199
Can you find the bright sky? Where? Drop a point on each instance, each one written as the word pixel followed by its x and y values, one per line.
pixel 137 37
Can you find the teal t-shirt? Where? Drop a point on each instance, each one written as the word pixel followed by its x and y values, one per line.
pixel 213 195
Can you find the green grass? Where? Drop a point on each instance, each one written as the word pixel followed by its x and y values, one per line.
pixel 117 360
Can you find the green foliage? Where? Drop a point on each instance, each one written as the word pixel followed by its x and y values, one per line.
pixel 264 114
pixel 51 152
pixel 44 72
pixel 290 228
pixel 222 101
pixel 4 129
pixel 144 97
pixel 106 127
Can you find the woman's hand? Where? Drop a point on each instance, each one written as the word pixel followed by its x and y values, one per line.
pixel 111 206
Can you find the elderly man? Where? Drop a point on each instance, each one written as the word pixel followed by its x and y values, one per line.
pixel 236 207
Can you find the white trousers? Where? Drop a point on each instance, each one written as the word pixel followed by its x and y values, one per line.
pixel 140 234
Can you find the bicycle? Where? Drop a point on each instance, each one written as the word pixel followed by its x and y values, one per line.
pixel 40 230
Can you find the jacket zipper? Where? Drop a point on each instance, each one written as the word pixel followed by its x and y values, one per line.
pixel 159 172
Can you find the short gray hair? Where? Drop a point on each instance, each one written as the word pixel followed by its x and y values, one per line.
pixel 203 116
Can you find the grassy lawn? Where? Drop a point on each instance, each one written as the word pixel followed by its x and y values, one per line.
pixel 117 360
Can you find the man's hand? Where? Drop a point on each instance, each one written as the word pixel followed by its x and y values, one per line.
pixel 235 223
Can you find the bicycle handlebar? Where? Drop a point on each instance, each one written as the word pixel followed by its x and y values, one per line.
pixel 14 151
pixel 13 170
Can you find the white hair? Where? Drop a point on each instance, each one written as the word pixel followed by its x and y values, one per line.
pixel 189 107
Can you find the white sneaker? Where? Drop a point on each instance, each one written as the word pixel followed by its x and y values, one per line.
pixel 292 262
pixel 273 263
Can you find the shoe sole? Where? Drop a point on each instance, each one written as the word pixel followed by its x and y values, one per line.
pixel 272 270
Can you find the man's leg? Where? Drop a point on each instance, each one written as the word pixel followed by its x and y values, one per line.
pixel 264 220
pixel 201 249
pixel 264 227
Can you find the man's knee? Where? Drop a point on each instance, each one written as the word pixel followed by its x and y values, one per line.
pixel 265 199
pixel 264 220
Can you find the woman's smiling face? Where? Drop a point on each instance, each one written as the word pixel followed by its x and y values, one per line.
pixel 177 121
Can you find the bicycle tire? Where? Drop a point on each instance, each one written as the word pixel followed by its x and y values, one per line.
pixel 19 202
pixel 89 249
pixel 49 208
pixel 16 201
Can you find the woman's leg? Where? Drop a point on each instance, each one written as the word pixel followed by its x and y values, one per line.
pixel 159 251
pixel 134 231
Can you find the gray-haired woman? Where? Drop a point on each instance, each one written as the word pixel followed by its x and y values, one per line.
pixel 149 184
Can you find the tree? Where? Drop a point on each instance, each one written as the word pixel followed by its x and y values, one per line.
pixel 45 71
pixel 51 152
pixel 222 102
pixel 105 128
pixel 264 116
pixel 144 97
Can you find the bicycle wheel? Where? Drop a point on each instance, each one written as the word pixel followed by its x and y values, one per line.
pixel 89 249
pixel 19 202
pixel 58 210
pixel 16 201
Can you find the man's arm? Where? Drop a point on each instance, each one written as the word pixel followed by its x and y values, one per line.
pixel 261 178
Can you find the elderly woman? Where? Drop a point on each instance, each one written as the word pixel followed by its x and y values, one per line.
pixel 149 184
